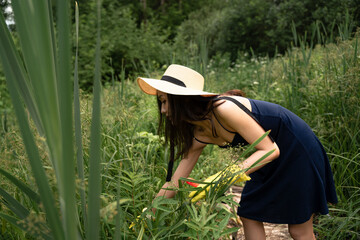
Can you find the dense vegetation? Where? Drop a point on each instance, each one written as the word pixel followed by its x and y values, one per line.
pixel 302 55
pixel 138 34
pixel 151 33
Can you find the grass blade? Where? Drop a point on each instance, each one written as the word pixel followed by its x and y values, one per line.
pixel 34 29
pixel 260 159
pixel 22 186
pixel 7 49
pixel 36 163
pixel 13 204
pixel 16 222
pixel 67 164
pixel 77 120
pixel 12 220
pixel 10 59
pixel 253 145
pixel 95 138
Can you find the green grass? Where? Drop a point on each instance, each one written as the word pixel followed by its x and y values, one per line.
pixel 38 76
pixel 119 163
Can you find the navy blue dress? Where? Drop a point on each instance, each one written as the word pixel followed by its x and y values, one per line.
pixel 296 184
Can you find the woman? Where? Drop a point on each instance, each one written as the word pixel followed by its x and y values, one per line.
pixel 288 187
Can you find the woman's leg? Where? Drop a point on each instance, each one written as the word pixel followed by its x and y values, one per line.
pixel 254 230
pixel 303 231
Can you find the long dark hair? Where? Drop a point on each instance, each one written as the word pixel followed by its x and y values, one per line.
pixel 177 130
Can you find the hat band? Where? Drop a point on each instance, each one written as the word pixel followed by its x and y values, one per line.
pixel 173 80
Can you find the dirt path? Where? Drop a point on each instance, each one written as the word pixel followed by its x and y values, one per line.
pixel 273 231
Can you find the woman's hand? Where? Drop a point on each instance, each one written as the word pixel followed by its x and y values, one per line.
pixel 184 169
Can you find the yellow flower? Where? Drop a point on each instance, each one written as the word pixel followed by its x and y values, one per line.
pixel 225 176
pixel 137 219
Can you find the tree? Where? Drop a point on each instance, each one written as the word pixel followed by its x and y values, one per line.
pixel 125 44
pixel 263 26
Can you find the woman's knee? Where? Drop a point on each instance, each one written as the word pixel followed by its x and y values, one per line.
pixel 298 234
pixel 253 229
pixel 247 221
pixel 303 231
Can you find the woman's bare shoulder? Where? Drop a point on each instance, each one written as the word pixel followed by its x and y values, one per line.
pixel 225 107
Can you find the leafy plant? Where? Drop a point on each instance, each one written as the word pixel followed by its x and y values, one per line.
pixel 40 79
pixel 319 84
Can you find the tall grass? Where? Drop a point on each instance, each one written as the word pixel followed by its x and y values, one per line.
pixel 39 78
pixel 39 82
pixel 313 82
pixel 320 82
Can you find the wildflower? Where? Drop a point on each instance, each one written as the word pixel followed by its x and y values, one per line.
pixel 225 176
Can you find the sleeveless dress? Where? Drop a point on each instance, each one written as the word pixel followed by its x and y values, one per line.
pixel 299 182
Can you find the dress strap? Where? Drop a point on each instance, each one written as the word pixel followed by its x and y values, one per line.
pixel 245 109
pixel 201 141
pixel 221 124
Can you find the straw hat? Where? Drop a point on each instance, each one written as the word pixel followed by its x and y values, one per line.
pixel 177 80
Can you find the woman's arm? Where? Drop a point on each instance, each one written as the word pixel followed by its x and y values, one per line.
pixel 184 169
pixel 237 120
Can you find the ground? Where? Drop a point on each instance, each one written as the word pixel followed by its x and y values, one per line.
pixel 273 231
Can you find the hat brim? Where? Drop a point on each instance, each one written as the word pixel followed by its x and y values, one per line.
pixel 150 86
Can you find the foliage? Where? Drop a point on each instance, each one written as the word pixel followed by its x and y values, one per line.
pixel 134 36
pixel 39 83
pixel 323 89
pixel 318 82
pixel 125 46
pixel 203 24
pixel 167 14
pixel 5 105
pixel 141 36
pixel 262 27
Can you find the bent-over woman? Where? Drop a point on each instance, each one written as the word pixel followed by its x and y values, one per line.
pixel 288 187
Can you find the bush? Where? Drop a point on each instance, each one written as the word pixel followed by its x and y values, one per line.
pixel 263 27
pixel 125 46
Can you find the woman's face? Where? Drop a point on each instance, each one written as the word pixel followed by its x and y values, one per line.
pixel 164 103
